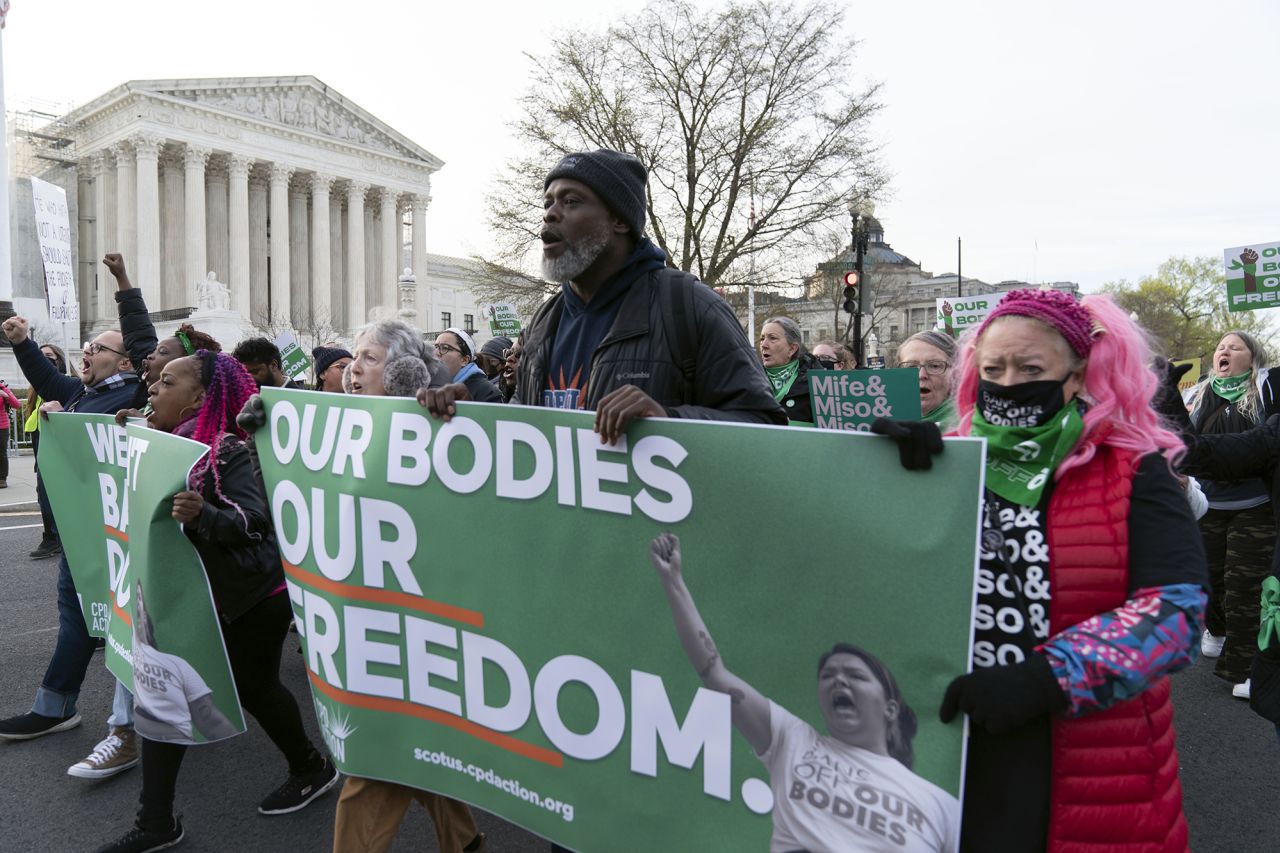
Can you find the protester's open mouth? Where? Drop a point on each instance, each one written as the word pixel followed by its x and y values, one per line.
pixel 84 366
pixel 1223 363
pixel 842 702
pixel 550 239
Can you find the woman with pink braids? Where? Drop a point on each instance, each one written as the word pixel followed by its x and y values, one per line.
pixel 224 513
pixel 1091 583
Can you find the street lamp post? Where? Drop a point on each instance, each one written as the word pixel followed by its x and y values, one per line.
pixel 858 235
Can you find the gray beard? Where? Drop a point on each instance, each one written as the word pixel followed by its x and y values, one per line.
pixel 576 257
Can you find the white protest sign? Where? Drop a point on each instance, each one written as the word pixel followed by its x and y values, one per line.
pixel 957 315
pixel 53 229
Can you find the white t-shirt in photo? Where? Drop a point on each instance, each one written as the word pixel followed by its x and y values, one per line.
pixel 164 686
pixel 830 796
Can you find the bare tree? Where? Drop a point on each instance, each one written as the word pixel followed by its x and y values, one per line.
pixel 741 110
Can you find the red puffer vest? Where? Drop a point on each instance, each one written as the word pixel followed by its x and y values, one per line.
pixel 1115 782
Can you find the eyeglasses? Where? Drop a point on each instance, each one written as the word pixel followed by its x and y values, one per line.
pixel 443 348
pixel 511 355
pixel 933 368
pixel 93 348
pixel 828 363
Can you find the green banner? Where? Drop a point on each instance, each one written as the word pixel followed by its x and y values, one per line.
pixel 83 460
pixel 480 617
pixel 504 319
pixel 852 399
pixel 293 358
pixel 164 640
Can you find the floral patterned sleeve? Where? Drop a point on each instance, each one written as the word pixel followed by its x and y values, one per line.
pixel 1116 655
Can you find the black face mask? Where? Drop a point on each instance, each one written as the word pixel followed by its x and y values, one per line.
pixel 1028 404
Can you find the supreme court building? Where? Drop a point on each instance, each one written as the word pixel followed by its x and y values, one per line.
pixel 306 207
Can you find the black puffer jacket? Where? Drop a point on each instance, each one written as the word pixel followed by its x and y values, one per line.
pixel 238 551
pixel 643 349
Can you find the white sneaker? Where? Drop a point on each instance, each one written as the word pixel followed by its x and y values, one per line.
pixel 1211 646
pixel 1241 691
pixel 117 752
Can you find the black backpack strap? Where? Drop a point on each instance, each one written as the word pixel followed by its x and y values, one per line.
pixel 682 335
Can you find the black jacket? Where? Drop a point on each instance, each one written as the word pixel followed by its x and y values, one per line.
pixel 239 552
pixel 642 349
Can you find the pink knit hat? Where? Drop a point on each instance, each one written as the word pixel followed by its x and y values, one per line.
pixel 1058 309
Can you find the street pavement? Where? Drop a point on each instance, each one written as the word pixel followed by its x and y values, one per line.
pixel 1229 756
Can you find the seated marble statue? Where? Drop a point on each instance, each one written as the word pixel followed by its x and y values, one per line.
pixel 212 295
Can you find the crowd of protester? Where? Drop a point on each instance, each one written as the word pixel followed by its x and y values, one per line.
pixel 1089 520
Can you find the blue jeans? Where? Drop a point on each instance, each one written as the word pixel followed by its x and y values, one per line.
pixel 62 679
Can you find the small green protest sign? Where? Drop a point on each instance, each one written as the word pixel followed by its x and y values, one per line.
pixel 957 315
pixel 1253 276
pixel 543 677
pixel 852 399
pixel 503 319
pixel 293 359
pixel 83 462
pixel 139 579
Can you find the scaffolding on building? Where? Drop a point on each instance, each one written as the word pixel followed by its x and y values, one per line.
pixel 42 138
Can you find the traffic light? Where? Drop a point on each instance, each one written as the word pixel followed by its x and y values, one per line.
pixel 851 292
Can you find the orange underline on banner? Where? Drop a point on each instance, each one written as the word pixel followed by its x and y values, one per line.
pixel 385 596
pixel 118 534
pixel 128 620
pixel 434 715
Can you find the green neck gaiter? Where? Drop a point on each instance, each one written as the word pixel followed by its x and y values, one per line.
pixel 944 415
pixel 1020 460
pixel 1232 388
pixel 781 378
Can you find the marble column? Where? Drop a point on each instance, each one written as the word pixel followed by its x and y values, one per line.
pixel 259 303
pixel 103 300
pixel 239 275
pixel 147 270
pixel 389 268
pixel 126 207
pixel 355 254
pixel 299 258
pixel 196 255
pixel 419 204
pixel 217 226
pixel 279 249
pixel 84 239
pixel 337 299
pixel 321 253
pixel 371 265
pixel 172 237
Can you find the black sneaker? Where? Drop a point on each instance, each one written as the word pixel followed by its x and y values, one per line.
pixel 51 546
pixel 139 840
pixel 298 791
pixel 32 725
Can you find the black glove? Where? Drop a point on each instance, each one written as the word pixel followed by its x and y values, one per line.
pixel 1168 399
pixel 253 416
pixel 917 441
pixel 1003 698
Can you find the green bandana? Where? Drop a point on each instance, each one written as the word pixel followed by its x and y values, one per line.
pixel 1020 460
pixel 944 415
pixel 782 378
pixel 1232 388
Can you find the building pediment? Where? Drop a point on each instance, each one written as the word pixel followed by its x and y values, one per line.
pixel 302 103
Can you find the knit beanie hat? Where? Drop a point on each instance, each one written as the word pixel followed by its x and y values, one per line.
pixel 326 356
pixel 1060 310
pixel 619 180
pixel 495 346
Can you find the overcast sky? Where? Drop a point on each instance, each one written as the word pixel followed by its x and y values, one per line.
pixel 1110 135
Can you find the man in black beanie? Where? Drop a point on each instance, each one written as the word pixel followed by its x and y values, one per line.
pixel 330 362
pixel 626 336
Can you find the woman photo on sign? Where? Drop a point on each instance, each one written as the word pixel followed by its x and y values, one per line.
pixel 171 702
pixel 862 794
pixel 1091 583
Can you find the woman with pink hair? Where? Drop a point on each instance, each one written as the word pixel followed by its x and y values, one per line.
pixel 224 513
pixel 1091 584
